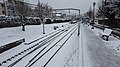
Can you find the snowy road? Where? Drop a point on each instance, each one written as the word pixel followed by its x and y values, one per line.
pixel 95 51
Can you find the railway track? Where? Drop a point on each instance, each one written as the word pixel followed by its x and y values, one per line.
pixel 50 38
pixel 33 46
pixel 32 61
pixel 58 49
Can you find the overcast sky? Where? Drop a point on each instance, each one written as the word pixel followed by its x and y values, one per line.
pixel 83 5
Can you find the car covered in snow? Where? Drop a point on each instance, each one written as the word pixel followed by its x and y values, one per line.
pixel 73 21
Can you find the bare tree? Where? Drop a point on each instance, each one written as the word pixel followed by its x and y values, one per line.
pixel 23 10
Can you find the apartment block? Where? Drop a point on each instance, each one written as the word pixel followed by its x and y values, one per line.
pixel 2 9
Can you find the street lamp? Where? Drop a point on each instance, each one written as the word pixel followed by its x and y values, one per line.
pixel 93 14
pixel 41 15
pixel 79 24
pixel 44 25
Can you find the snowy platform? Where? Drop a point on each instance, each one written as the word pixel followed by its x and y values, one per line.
pixel 98 52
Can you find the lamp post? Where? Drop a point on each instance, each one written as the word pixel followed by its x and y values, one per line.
pixel 79 24
pixel 93 14
pixel 104 15
pixel 44 25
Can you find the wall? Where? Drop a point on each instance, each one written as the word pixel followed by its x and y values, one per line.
pixel 2 11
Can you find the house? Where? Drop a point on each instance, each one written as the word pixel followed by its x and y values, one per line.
pixel 2 9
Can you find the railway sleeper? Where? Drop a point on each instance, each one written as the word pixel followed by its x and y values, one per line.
pixel 19 53
pixel 4 62
pixel 9 59
pixel 28 49
pixel 22 52
pixel 12 57
pixel 25 50
pixel 16 55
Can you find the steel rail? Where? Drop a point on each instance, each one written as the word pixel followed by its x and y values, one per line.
pixel 31 51
pixel 48 49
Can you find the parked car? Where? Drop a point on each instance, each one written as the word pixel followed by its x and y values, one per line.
pixel 3 18
pixel 73 21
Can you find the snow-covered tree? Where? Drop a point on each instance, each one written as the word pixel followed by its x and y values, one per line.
pixel 109 8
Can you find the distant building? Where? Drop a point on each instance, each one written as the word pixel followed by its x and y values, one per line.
pixel 2 9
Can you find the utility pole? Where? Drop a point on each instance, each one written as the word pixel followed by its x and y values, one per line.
pixel 93 14
pixel 104 15
pixel 43 19
pixel 79 25
pixel 69 14
pixel 43 25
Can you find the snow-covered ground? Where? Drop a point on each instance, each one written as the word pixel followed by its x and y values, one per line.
pixel 96 51
pixel 91 50
pixel 113 42
pixel 8 35
pixel 67 56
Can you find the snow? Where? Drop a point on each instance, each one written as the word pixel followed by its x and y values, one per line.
pixel 106 32
pixel 97 52
pixel 85 59
pixel 113 42
pixel 31 33
pixel 86 50
pixel 68 55
pixel 60 56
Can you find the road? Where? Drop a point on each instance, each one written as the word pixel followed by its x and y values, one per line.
pixel 95 52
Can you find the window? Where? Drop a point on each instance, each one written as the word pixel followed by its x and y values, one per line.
pixel 2 5
pixel 3 12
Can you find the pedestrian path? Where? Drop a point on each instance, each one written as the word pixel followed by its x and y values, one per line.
pixel 95 51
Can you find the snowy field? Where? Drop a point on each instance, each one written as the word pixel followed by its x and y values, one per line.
pixel 8 35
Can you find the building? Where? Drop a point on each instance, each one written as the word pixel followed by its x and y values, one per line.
pixel 2 9
pixel 13 7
